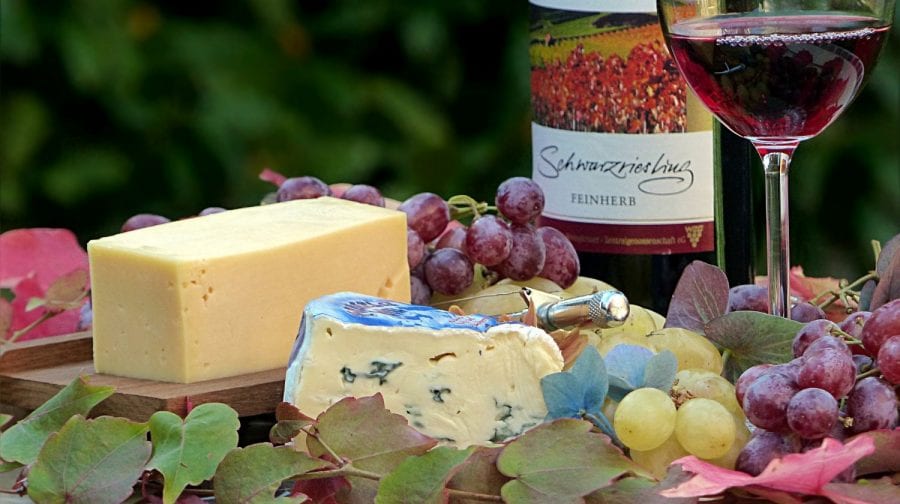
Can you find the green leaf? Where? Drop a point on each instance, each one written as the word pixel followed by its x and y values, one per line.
pixel 35 303
pixel 187 453
pixel 4 419
pixel 752 338
pixel 23 441
pixel 885 458
pixel 560 461
pixel 700 296
pixel 629 490
pixel 373 438
pixel 252 474
pixel 422 479
pixel 90 461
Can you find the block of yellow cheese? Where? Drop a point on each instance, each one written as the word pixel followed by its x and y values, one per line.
pixel 223 295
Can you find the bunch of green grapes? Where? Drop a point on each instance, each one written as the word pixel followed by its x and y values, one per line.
pixel 700 416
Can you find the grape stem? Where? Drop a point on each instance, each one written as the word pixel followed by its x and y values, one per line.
pixel 845 292
pixel 872 372
pixel 462 206
pixel 726 355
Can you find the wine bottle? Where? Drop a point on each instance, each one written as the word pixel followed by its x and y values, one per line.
pixel 635 171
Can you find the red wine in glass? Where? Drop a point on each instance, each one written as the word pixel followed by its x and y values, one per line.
pixel 775 73
pixel 785 80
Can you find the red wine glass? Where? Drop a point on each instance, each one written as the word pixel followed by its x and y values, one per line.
pixel 776 72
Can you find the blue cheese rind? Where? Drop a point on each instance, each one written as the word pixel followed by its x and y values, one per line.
pixel 461 380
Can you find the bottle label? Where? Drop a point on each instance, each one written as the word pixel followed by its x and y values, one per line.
pixel 621 148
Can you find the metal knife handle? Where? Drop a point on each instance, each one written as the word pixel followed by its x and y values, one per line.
pixel 604 309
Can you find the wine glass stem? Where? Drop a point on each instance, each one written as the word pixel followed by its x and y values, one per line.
pixel 776 166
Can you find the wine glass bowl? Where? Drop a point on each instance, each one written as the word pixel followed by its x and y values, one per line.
pixel 776 72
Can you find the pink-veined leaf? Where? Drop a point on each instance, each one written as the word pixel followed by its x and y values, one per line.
pixel 804 473
pixel 63 323
pixel 701 295
pixel 40 253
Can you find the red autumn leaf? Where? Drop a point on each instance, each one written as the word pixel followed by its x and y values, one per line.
pixel 64 323
pixel 886 457
pixel 40 253
pixel 321 491
pixel 804 473
pixel 272 177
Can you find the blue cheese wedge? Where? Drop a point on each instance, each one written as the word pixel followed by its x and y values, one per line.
pixel 460 379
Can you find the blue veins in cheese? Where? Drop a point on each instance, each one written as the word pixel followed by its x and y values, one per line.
pixel 460 379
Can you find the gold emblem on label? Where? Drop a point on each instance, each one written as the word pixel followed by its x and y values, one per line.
pixel 694 233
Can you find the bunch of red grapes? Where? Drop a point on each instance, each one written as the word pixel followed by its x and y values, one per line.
pixel 640 94
pixel 442 253
pixel 841 382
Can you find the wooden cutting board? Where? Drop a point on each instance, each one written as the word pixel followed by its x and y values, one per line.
pixel 33 371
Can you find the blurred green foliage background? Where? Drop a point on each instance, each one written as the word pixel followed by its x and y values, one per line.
pixel 116 107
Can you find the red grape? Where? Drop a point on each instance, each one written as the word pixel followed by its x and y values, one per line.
pixel 488 240
pixel 831 370
pixel 806 312
pixel 561 264
pixel 362 193
pixel 811 332
pixel 872 405
pixel 882 324
pixel 827 343
pixel 863 363
pixel 302 188
pixel 520 199
pixel 427 213
pixel 747 378
pixel 527 255
pixel 415 248
pixel 420 292
pixel 889 359
pixel 211 210
pixel 766 400
pixel 453 237
pixel 748 297
pixel 448 271
pixel 812 413
pixel 143 220
pixel 854 322
pixel 763 447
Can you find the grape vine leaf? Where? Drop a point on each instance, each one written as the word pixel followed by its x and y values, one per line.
pixel 289 423
pixel 888 287
pixel 804 473
pixel 22 442
pixel 700 296
pixel 365 432
pixel 631 367
pixel 880 490
pixel 67 291
pixel 560 461
pixel 752 338
pixel 629 490
pixel 422 479
pixel 479 474
pixel 253 474
pixel 187 452
pixel 4 419
pixel 90 461
pixel 886 457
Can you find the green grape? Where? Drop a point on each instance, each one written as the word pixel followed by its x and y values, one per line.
pixel 741 437
pixel 703 383
pixel 645 418
pixel 692 350
pixel 705 428
pixel 658 459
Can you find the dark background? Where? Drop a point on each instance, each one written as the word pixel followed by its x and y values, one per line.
pixel 116 107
